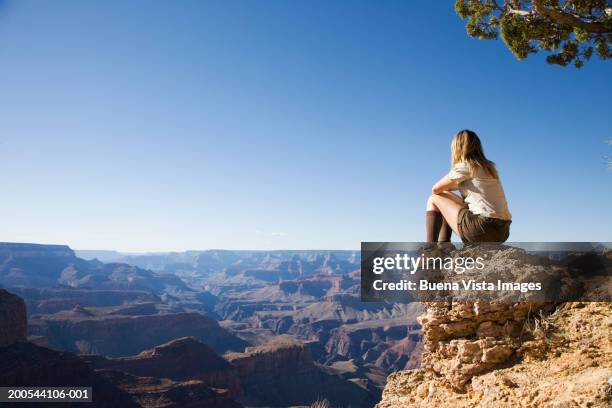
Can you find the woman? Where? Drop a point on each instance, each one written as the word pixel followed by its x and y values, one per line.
pixel 481 213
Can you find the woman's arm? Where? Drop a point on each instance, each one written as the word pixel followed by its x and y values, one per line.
pixel 444 184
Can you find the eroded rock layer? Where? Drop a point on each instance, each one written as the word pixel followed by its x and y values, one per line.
pixel 520 354
pixel 566 363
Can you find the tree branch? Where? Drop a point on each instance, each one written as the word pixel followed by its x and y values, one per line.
pixel 519 12
pixel 564 18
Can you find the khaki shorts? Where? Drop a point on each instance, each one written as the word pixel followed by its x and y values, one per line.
pixel 476 228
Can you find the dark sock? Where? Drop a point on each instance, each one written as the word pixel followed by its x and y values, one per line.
pixel 433 222
pixel 445 232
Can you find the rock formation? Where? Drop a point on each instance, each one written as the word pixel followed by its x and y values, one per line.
pixel 24 364
pixel 567 361
pixel 466 339
pixel 150 392
pixel 117 335
pixel 369 340
pixel 52 300
pixel 40 266
pixel 325 311
pixel 180 360
pixel 500 354
pixel 13 322
pixel 282 373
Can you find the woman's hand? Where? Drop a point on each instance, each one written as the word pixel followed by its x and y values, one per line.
pixel 444 184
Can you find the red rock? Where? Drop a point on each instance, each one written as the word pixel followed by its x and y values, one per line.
pixel 180 360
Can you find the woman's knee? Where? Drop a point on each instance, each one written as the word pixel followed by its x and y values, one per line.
pixel 431 202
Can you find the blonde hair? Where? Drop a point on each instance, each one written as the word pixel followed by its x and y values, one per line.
pixel 466 148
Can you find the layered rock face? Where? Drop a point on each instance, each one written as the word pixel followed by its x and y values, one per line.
pixel 286 296
pixel 466 339
pixel 503 354
pixel 386 343
pixel 118 336
pixel 40 266
pixel 53 300
pixel 374 337
pixel 13 322
pixel 24 364
pixel 383 336
pixel 282 373
pixel 150 392
pixel 180 360
pixel 21 251
pixel 565 362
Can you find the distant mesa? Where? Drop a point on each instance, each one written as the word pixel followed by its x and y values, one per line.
pixel 80 311
pixel 118 335
pixel 48 266
pixel 136 309
pixel 52 300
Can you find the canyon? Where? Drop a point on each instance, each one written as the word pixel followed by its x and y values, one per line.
pixel 288 328
pixel 236 327
pixel 25 364
pixel 49 266
pixel 87 330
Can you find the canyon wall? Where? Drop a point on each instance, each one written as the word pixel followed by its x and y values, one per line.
pixel 282 373
pixel 24 364
pixel 180 360
pixel 13 321
pixel 509 354
pixel 562 359
pixel 117 335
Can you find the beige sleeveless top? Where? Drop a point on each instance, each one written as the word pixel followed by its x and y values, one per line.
pixel 483 194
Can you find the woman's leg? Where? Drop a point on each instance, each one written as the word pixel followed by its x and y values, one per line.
pixel 452 196
pixel 448 205
pixel 433 225
pixel 446 232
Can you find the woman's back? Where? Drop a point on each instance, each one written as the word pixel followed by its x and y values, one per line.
pixel 483 193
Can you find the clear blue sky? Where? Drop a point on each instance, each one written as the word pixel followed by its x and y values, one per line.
pixel 171 125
